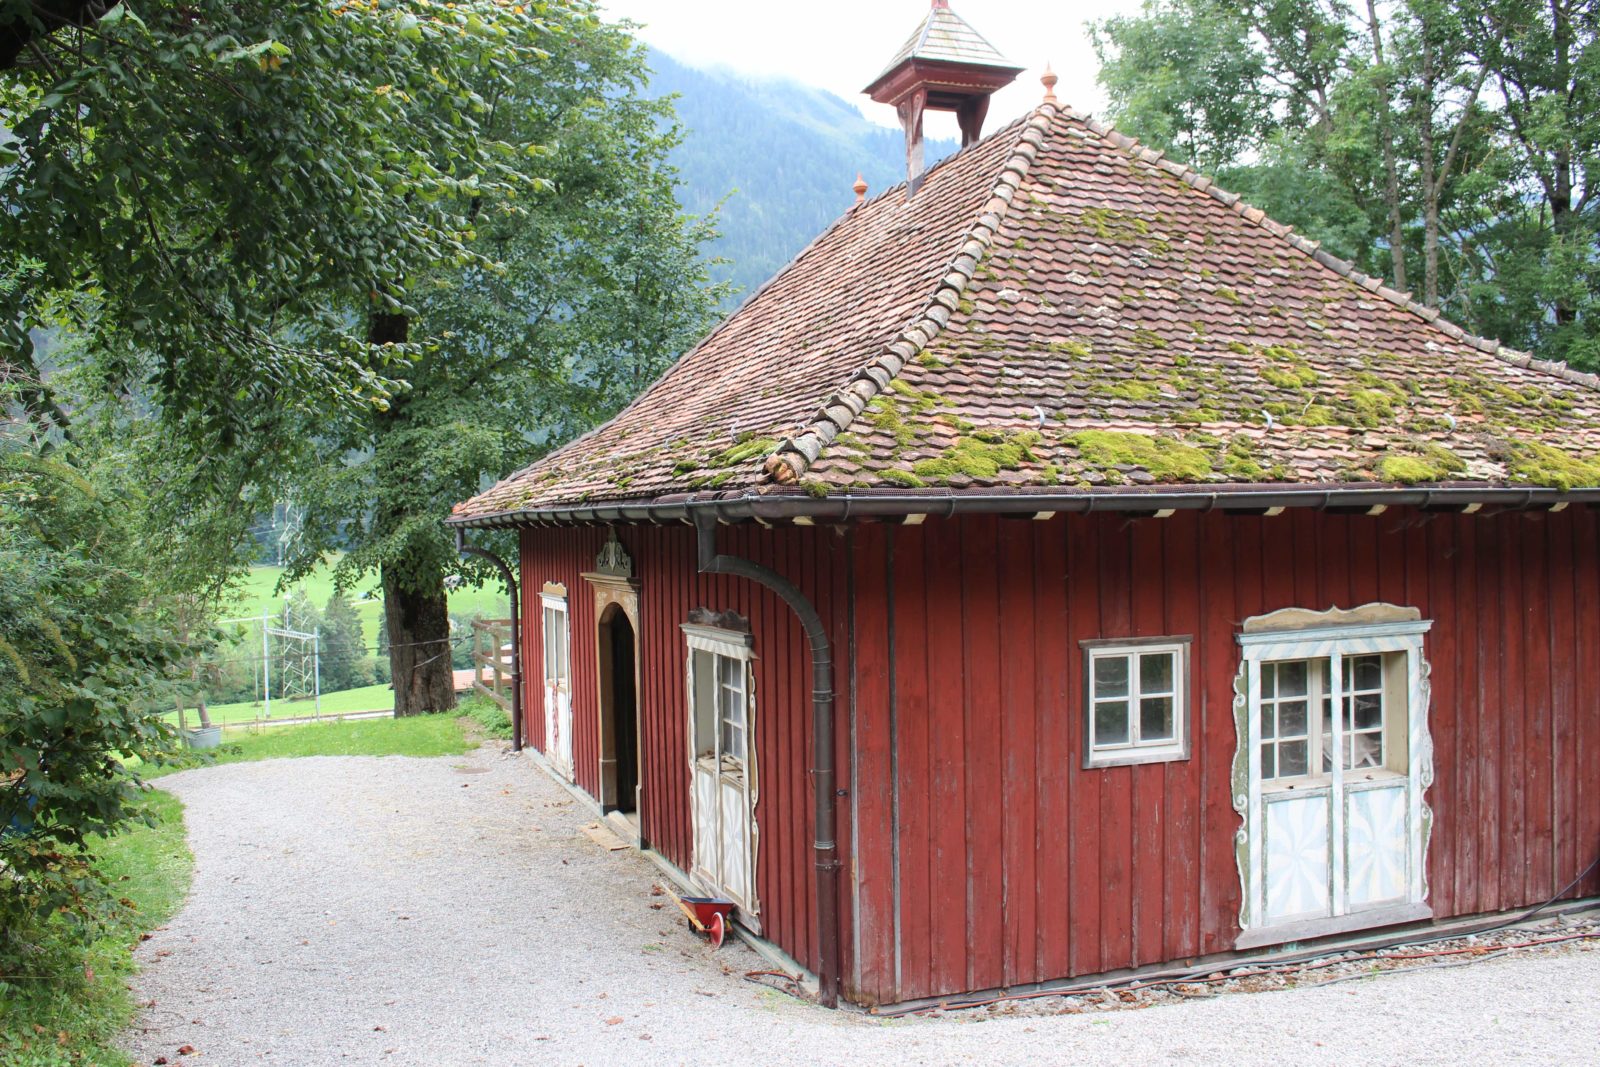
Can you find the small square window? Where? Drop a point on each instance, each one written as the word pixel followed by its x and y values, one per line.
pixel 1136 701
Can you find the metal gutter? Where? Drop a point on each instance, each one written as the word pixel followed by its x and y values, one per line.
pixel 822 772
pixel 898 504
pixel 516 631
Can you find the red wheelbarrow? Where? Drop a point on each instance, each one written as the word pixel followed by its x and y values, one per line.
pixel 711 916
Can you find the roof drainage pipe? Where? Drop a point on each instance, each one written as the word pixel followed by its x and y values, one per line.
pixel 516 632
pixel 822 772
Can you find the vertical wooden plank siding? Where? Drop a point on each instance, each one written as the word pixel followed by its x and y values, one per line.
pixel 978 851
pixel 1136 864
pixel 671 587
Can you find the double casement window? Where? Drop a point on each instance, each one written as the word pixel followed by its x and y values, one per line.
pixel 1136 701
pixel 1297 720
pixel 1333 760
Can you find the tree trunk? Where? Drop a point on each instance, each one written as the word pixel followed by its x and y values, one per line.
pixel 417 613
pixel 1391 190
pixel 1430 182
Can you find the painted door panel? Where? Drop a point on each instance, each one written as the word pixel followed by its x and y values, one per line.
pixel 1298 857
pixel 1378 845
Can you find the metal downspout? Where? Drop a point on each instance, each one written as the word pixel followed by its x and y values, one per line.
pixel 822 772
pixel 516 632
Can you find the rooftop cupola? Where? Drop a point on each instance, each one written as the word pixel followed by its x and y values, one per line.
pixel 946 65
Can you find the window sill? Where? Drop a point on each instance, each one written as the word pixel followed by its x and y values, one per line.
pixel 1132 757
pixel 1311 929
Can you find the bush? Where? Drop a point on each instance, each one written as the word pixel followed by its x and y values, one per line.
pixel 87 667
pixel 494 720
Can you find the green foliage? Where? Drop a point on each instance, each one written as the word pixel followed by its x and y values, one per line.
pixel 86 663
pixel 598 285
pixel 67 999
pixel 240 185
pixel 490 717
pixel 345 663
pixel 1183 75
pixel 1487 115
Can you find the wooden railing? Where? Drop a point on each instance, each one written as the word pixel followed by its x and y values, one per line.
pixel 491 659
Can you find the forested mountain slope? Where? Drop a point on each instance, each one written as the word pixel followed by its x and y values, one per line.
pixel 781 157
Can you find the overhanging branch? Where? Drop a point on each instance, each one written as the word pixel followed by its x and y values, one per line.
pixel 22 24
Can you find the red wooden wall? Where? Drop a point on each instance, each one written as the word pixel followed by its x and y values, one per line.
pixel 1015 865
pixel 984 855
pixel 670 587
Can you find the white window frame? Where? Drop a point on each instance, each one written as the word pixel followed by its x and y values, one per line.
pixel 736 647
pixel 562 675
pixel 1334 643
pixel 1136 750
pixel 556 669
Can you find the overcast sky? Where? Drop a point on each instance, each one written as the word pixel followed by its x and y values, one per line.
pixel 841 45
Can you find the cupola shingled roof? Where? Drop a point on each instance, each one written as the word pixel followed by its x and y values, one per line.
pixel 945 37
pixel 1060 310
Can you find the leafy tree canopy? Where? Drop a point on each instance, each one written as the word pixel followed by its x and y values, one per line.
pixel 1447 146
pixel 239 186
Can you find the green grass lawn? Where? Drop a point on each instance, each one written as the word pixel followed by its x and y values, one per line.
pixel 73 1005
pixel 417 735
pixel 367 698
pixel 258 591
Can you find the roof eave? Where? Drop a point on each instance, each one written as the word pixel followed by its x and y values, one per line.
pixel 900 504
pixel 897 82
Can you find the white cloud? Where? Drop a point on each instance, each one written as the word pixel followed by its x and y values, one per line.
pixel 841 45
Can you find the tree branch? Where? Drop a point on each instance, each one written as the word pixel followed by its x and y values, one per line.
pixel 22 26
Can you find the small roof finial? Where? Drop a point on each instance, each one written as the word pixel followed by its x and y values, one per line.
pixel 1049 81
pixel 860 187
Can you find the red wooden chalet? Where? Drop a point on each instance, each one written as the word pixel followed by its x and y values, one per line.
pixel 1060 569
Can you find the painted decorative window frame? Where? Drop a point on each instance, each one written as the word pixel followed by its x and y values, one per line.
pixel 1132 754
pixel 738 645
pixel 556 602
pixel 1393 630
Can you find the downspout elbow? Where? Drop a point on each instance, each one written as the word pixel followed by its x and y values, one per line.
pixel 825 846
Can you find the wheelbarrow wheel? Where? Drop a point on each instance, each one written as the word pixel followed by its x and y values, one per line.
pixel 717 929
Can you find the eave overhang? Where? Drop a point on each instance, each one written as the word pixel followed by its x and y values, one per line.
pixel 893 505
pixel 898 82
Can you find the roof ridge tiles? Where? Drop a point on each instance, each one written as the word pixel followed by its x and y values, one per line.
pixel 1344 268
pixel 789 462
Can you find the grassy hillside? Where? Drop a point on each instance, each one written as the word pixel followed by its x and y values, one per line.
pixel 259 591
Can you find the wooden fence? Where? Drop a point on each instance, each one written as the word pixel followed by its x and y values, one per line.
pixel 491 659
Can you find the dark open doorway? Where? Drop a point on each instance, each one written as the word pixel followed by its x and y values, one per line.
pixel 619 710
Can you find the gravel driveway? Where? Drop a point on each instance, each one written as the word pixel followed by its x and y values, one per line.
pixel 448 911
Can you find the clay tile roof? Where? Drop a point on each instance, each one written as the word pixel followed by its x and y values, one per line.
pixel 945 37
pixel 1061 310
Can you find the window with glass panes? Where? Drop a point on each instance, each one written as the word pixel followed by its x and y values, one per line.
pixel 555 643
pixel 1136 701
pixel 731 706
pixel 1296 727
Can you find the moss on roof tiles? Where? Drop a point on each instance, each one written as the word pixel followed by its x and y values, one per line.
pixel 1178 336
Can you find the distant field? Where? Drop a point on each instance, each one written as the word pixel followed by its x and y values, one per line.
pixel 259 591
pixel 367 698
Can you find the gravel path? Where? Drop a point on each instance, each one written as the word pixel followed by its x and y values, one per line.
pixel 448 911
